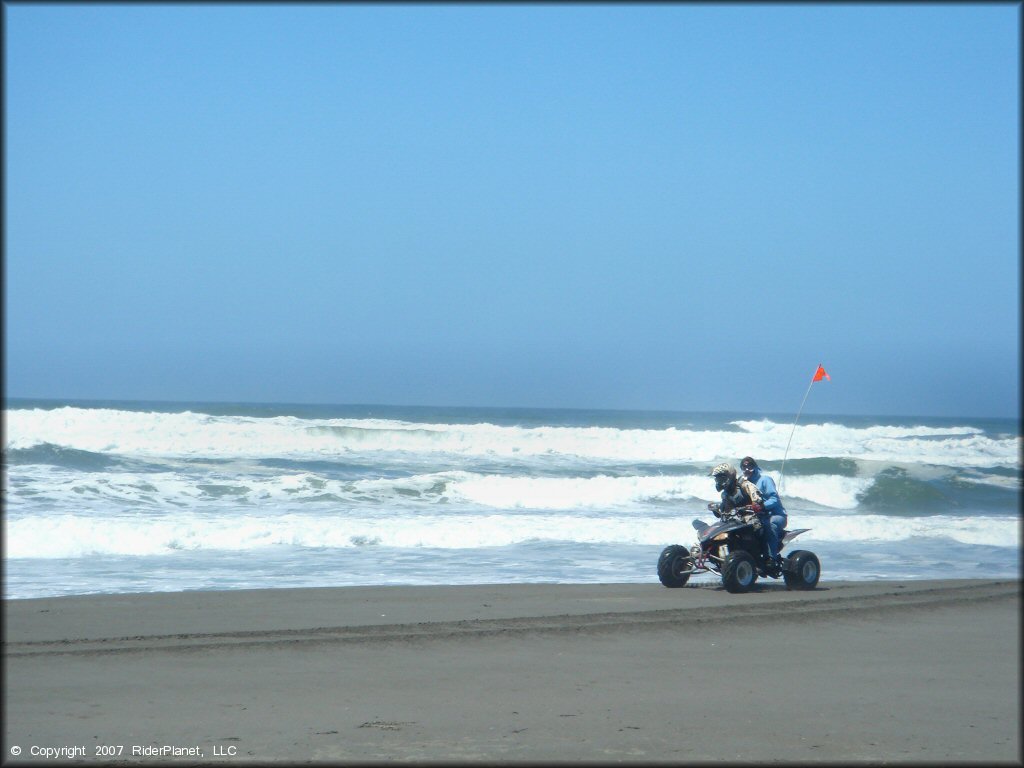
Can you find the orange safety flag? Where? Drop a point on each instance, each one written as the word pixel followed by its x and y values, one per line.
pixel 820 374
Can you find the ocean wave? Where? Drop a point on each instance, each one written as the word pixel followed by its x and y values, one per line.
pixel 82 536
pixel 249 495
pixel 468 489
pixel 59 456
pixel 881 489
pixel 764 426
pixel 188 434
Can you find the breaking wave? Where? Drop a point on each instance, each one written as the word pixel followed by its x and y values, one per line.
pixel 79 536
pixel 187 434
pixel 98 488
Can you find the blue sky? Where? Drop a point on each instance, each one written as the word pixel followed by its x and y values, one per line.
pixel 682 207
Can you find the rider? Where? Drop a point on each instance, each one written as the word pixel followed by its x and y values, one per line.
pixel 735 492
pixel 772 514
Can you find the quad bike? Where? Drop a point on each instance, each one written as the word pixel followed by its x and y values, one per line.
pixel 732 547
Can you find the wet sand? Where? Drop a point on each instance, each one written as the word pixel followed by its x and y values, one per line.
pixel 853 671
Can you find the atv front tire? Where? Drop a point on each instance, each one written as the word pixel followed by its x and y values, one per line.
pixel 802 570
pixel 673 565
pixel 739 572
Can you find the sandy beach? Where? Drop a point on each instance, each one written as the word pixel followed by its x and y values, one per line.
pixel 853 671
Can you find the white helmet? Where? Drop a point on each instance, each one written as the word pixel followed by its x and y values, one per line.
pixel 724 475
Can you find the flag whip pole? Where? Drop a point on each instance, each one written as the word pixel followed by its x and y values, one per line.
pixel 819 373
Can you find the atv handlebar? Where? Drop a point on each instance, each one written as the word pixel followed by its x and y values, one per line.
pixel 743 511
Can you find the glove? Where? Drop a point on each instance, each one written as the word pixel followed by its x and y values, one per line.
pixel 759 508
pixel 715 508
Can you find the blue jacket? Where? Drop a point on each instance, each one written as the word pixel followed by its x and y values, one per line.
pixel 769 496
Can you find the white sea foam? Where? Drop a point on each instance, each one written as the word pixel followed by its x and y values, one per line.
pixel 78 536
pixel 826 490
pixel 604 492
pixel 77 490
pixel 601 492
pixel 950 446
pixel 977 530
pixel 769 427
pixel 92 496
pixel 997 481
pixel 131 433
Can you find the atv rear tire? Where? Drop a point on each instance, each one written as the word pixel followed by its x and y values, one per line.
pixel 672 564
pixel 802 570
pixel 739 572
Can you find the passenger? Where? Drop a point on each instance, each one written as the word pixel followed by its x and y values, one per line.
pixel 772 513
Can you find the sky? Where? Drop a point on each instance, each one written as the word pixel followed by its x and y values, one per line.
pixel 660 207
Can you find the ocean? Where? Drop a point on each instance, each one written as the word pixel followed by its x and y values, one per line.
pixel 118 497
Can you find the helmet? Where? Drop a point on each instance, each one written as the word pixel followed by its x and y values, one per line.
pixel 748 463
pixel 724 475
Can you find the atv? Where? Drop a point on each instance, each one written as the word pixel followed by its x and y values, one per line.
pixel 732 548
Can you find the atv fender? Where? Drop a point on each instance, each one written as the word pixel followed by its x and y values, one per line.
pixel 790 535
